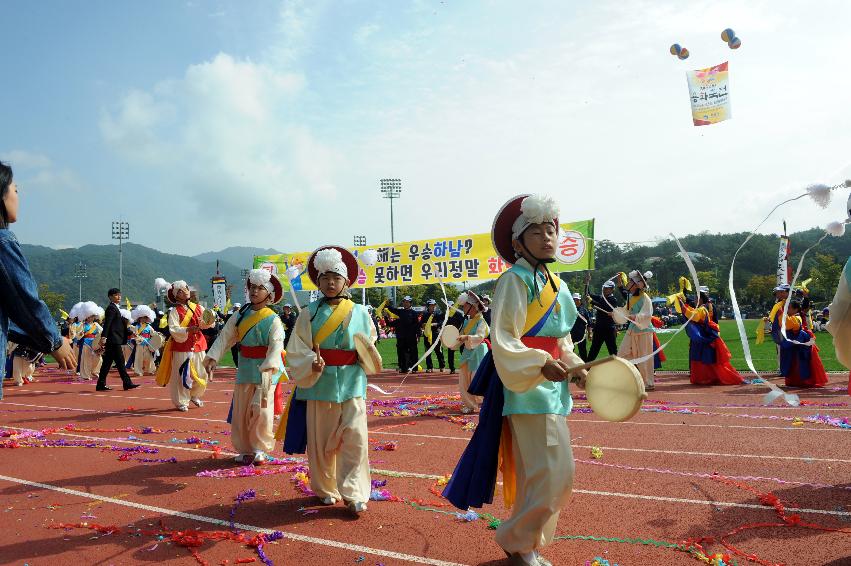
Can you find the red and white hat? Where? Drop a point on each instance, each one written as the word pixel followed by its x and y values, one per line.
pixel 269 280
pixel 161 284
pixel 515 216
pixel 333 259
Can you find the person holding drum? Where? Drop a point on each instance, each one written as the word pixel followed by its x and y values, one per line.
pixel 328 355
pixel 182 366
pixel 260 334
pixel 637 343
pixel 473 337
pixel 524 380
pixel 147 341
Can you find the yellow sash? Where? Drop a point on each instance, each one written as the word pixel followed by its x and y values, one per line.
pixel 471 324
pixel 778 306
pixel 427 328
pixel 334 321
pixel 536 310
pixel 252 320
pixel 760 331
pixel 164 370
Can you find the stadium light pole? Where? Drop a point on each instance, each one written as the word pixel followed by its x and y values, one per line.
pixel 391 189
pixel 120 232
pixel 360 241
pixel 80 273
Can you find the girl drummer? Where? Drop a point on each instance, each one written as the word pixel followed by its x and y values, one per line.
pixel 472 337
pixel 143 356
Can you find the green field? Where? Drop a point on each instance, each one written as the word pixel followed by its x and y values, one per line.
pixel 764 355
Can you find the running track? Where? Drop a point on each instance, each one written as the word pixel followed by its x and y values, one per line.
pixel 652 483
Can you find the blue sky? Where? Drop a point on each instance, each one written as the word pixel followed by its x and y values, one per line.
pixel 211 124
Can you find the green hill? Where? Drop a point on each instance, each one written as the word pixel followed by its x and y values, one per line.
pixel 142 265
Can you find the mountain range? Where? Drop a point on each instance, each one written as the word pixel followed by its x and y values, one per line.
pixel 141 265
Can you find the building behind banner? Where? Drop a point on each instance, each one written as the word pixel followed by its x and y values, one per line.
pixel 454 260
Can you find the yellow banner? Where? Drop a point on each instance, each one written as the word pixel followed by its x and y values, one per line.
pixel 455 259
pixel 710 95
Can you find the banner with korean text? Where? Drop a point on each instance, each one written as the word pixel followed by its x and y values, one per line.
pixel 710 94
pixel 455 259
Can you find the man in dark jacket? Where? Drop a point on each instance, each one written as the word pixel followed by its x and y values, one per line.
pixel 456 319
pixel 407 332
pixel 580 328
pixel 114 336
pixel 288 318
pixel 605 330
pixel 432 318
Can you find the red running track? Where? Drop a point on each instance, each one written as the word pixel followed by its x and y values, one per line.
pixel 653 481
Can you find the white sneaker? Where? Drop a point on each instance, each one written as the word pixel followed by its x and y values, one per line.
pixel 356 506
pixel 183 408
pixel 328 501
pixel 259 458
pixel 197 402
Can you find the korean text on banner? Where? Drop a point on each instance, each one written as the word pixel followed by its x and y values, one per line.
pixel 455 259
pixel 710 95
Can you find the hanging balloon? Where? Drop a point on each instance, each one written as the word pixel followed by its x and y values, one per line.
pixel 727 35
pixel 683 55
pixel 675 49
pixel 735 43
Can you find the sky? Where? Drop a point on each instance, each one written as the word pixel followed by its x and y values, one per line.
pixel 209 124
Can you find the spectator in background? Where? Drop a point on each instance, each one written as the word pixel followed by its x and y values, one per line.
pixel 486 313
pixel 288 319
pixel 605 330
pixel 579 332
pixel 431 320
pixel 407 332
pixel 113 338
pixel 19 302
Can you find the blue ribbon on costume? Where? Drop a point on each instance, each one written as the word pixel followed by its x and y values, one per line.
pixel 186 375
pixel 295 439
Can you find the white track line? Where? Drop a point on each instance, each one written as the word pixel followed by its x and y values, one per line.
pixel 81 394
pixel 435 477
pixel 226 524
pixel 126 413
pixel 712 503
pixel 673 452
pixel 702 425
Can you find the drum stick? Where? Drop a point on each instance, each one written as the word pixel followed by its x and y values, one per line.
pixel 594 363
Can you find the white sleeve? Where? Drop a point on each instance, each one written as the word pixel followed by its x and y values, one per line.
pixel 276 346
pixel 300 354
pixel 179 333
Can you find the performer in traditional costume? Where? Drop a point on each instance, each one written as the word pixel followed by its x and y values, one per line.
pixel 90 339
pixel 329 400
pixel 709 357
pixel 523 379
pixel 473 336
pixel 839 324
pixel 127 349
pixel 145 343
pixel 182 366
pixel 260 334
pixel 22 363
pixel 637 343
pixel 75 331
pixel 800 362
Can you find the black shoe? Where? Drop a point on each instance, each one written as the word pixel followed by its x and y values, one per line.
pixel 131 386
pixel 104 388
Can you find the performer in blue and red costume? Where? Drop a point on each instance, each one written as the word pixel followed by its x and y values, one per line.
pixel 709 357
pixel 522 425
pixel 800 362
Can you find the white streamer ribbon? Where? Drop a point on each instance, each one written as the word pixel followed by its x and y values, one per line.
pixel 435 343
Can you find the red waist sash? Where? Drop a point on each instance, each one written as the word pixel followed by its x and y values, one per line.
pixel 339 357
pixel 253 352
pixel 545 343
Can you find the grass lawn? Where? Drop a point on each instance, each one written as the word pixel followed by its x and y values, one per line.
pixel 764 355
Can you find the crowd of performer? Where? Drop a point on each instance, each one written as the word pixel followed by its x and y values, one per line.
pixel 517 355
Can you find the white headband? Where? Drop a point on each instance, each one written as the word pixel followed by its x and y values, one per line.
pixel 535 209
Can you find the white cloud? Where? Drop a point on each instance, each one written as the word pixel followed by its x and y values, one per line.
pixel 363 33
pixel 37 172
pixel 229 136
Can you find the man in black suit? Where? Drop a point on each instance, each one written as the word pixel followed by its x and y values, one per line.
pixel 114 336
